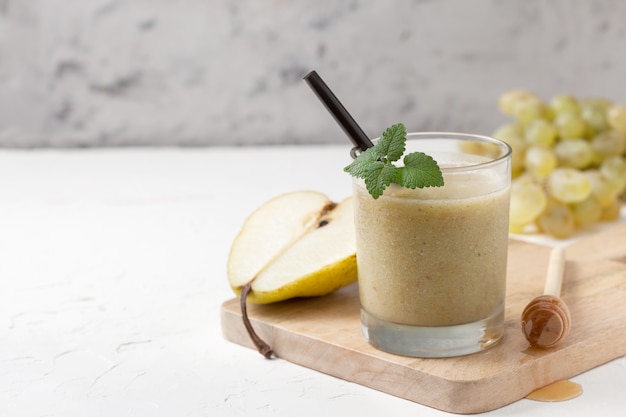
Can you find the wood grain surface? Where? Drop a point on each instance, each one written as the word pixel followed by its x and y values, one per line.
pixel 324 333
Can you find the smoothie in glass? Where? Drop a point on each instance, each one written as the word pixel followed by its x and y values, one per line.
pixel 432 261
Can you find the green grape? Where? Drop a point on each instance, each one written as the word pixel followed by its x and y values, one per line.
pixel 528 200
pixel 528 110
pixel 586 212
pixel 613 169
pixel 574 153
pixel 616 117
pixel 564 103
pixel 511 130
pixel 601 102
pixel 609 143
pixel 518 146
pixel 595 119
pixel 539 161
pixel 568 185
pixel 596 160
pixel 517 228
pixel 540 132
pixel 548 114
pixel 570 126
pixel 508 100
pixel 612 211
pixel 601 189
pixel 556 220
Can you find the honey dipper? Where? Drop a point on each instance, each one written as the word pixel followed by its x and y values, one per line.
pixel 546 319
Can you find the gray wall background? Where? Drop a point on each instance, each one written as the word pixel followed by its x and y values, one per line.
pixel 229 72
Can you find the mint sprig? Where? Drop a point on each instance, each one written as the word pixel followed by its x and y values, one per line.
pixel 375 165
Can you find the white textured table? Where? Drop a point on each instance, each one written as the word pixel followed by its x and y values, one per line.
pixel 112 273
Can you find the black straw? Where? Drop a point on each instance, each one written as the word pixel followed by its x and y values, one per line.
pixel 341 115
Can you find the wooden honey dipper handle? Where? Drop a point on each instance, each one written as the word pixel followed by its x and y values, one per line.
pixel 554 277
pixel 546 319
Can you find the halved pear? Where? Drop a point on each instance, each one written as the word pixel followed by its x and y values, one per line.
pixel 299 244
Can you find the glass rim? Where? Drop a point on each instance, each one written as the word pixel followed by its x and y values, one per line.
pixel 354 152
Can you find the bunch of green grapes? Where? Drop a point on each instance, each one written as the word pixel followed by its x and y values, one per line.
pixel 568 162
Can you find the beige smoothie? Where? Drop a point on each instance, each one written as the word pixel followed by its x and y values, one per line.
pixel 409 274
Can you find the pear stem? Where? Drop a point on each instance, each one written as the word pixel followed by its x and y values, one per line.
pixel 263 348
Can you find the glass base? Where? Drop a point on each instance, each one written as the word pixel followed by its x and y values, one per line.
pixel 433 342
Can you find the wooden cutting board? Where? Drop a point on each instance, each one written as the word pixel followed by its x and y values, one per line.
pixel 324 333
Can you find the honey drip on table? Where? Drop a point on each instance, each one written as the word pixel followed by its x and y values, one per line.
pixel 558 391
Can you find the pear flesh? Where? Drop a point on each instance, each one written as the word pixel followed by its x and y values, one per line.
pixel 299 244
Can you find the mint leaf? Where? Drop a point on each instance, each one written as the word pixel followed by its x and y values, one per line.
pixel 378 177
pixel 375 165
pixel 358 168
pixel 419 171
pixel 392 142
